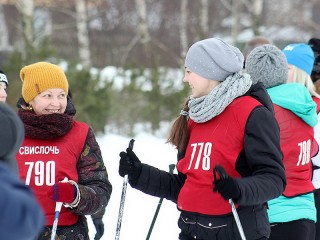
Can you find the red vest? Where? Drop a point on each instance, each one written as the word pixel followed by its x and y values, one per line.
pixel 317 101
pixel 218 141
pixel 298 146
pixel 42 163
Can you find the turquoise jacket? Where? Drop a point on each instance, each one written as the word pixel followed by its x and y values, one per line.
pixel 296 98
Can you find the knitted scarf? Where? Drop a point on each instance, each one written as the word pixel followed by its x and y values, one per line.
pixel 204 108
pixel 47 126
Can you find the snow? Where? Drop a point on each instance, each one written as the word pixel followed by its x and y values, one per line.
pixel 139 208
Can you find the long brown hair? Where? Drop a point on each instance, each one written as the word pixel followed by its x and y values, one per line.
pixel 179 134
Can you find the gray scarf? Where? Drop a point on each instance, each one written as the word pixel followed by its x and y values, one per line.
pixel 204 108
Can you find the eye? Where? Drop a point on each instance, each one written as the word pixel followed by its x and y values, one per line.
pixel 62 95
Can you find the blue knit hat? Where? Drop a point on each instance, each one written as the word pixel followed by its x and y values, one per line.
pixel 214 59
pixel 300 55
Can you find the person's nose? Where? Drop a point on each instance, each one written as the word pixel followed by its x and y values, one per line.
pixel 55 101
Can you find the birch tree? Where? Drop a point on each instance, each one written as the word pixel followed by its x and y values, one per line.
pixel 82 33
pixel 26 9
pixel 183 29
pixel 255 8
pixel 204 18
pixel 234 7
pixel 4 37
pixel 142 34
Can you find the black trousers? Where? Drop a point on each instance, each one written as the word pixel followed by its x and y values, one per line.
pixel 317 202
pixel 254 220
pixel 296 230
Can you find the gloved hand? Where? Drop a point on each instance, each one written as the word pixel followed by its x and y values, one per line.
pixel 225 185
pixel 98 224
pixel 129 164
pixel 63 192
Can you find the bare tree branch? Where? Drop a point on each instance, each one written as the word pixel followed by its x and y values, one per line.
pixel 227 4
pixel 128 49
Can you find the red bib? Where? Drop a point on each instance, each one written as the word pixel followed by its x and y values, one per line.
pixel 42 163
pixel 218 141
pixel 298 146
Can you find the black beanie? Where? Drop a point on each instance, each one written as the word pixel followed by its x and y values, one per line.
pixel 315 45
pixel 12 135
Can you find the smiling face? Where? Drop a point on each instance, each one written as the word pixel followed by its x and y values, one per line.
pixel 200 86
pixel 3 92
pixel 53 100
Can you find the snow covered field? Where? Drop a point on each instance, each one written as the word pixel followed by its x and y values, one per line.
pixel 139 208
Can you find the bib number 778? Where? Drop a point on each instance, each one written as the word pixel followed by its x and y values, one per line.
pixel 200 155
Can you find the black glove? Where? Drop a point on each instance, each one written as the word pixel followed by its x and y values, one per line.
pixel 225 185
pixel 129 165
pixel 98 224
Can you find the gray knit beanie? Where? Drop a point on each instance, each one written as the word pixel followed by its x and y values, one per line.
pixel 214 59
pixel 267 64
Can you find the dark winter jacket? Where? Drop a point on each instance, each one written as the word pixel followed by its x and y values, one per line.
pixel 95 188
pixel 21 216
pixel 12 134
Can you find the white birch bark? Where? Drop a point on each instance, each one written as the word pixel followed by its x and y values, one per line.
pixel 235 20
pixel 82 33
pixel 204 17
pixel 143 24
pixel 4 37
pixel 26 9
pixel 183 29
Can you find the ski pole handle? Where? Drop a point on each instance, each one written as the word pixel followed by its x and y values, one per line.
pixel 223 176
pixel 131 144
pixel 56 215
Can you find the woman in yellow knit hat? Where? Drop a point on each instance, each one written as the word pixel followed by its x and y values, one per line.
pixel 60 158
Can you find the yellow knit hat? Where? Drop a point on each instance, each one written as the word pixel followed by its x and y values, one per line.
pixel 39 77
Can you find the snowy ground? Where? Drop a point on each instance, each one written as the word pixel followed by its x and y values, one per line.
pixel 139 208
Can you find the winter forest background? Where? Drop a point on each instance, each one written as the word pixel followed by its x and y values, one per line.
pixel 124 62
pixel 124 58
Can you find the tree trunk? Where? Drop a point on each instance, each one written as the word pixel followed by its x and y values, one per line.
pixel 256 16
pixel 143 24
pixel 26 8
pixel 235 20
pixel 183 29
pixel 4 38
pixel 83 35
pixel 204 19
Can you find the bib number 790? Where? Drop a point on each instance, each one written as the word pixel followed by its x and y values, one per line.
pixel 203 151
pixel 44 173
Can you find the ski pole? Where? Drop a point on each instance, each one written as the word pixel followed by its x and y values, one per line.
pixel 223 175
pixel 237 219
pixel 56 216
pixel 123 197
pixel 171 168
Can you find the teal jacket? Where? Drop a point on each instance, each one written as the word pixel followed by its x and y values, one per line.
pixel 296 98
